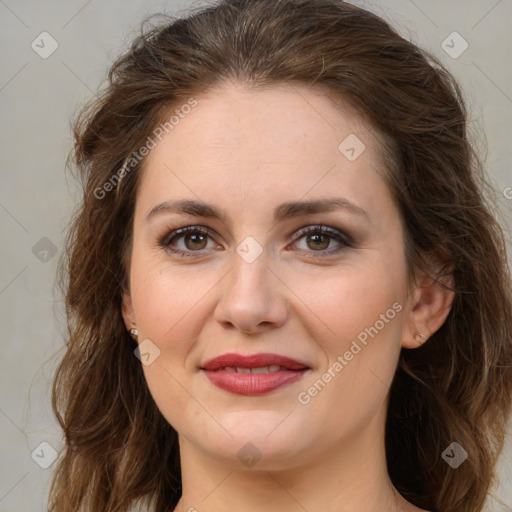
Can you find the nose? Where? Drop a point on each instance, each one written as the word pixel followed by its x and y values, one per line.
pixel 253 298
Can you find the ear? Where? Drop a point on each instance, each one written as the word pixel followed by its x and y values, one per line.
pixel 127 310
pixel 431 303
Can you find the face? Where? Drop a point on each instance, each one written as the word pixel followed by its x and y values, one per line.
pixel 265 278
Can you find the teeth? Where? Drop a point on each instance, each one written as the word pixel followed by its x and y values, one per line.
pixel 262 369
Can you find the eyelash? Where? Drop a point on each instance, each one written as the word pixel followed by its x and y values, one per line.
pixel 344 239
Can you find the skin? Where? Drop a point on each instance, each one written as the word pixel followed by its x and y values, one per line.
pixel 246 152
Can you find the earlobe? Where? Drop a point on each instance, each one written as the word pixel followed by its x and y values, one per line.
pixel 432 302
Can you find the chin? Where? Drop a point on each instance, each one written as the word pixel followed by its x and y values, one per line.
pixel 260 440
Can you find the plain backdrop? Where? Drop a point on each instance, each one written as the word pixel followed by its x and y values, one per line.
pixel 38 99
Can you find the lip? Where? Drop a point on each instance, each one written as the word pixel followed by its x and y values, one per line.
pixel 252 361
pixel 253 383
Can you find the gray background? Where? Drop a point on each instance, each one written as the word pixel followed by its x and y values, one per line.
pixel 38 98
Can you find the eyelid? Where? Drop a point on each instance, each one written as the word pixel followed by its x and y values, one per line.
pixel 178 232
pixel 325 230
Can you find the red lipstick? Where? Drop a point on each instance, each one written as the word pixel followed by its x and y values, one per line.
pixel 254 374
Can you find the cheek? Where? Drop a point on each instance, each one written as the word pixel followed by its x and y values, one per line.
pixel 170 308
pixel 166 297
pixel 357 325
pixel 353 299
pixel 167 305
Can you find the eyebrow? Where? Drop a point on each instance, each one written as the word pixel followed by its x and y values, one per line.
pixel 282 212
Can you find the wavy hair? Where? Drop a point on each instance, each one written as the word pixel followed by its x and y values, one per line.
pixel 119 449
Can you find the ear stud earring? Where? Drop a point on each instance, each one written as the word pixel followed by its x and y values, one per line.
pixel 420 338
pixel 134 333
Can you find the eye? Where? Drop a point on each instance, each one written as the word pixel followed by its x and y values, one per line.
pixel 194 240
pixel 318 238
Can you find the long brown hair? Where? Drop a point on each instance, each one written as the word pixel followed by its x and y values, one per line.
pixel 455 388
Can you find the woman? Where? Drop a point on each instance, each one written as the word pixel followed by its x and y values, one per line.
pixel 285 288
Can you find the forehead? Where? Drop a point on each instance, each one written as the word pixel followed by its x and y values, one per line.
pixel 277 115
pixel 259 145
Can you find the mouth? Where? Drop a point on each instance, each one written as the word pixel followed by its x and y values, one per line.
pixel 255 374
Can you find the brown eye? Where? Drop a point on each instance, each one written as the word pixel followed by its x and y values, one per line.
pixel 318 239
pixel 193 239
